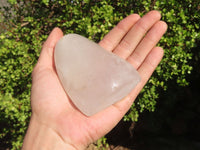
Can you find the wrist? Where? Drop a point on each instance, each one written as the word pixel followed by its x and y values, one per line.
pixel 40 136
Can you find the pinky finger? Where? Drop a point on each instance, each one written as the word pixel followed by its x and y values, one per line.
pixel 147 68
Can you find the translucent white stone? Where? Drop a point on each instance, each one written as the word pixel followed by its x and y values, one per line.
pixel 92 77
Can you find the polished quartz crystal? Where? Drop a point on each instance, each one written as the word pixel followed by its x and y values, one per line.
pixel 91 76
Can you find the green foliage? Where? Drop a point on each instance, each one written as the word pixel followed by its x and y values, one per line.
pixel 26 24
pixel 102 144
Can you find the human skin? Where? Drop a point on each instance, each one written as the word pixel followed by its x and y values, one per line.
pixel 55 122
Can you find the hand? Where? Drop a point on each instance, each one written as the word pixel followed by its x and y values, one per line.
pixel 55 122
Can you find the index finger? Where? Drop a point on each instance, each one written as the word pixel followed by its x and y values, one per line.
pixel 112 39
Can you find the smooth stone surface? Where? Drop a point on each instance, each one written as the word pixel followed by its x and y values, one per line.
pixel 92 77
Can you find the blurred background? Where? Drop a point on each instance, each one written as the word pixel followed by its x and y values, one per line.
pixel 166 114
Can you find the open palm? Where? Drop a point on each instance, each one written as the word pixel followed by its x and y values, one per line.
pixel 133 39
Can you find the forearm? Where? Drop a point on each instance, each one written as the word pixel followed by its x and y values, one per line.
pixel 41 137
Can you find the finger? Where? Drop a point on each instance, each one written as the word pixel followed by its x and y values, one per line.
pixel 113 114
pixel 147 68
pixel 148 42
pixel 136 33
pixel 110 41
pixel 46 55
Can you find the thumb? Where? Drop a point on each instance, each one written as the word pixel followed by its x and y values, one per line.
pixel 46 58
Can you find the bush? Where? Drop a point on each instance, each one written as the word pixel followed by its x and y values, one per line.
pixel 26 24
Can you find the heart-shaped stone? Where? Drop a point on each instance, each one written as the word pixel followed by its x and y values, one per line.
pixel 92 77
